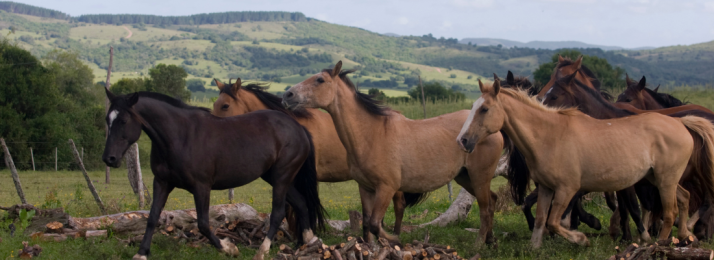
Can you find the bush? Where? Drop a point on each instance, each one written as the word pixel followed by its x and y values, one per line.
pixel 435 91
pixel 196 85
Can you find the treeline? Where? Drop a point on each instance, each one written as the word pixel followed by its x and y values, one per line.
pixel 196 19
pixel 19 8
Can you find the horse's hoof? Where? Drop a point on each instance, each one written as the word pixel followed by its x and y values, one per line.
pixel 645 237
pixel 138 257
pixel 229 248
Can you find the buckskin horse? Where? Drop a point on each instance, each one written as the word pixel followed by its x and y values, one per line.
pixel 567 151
pixel 388 152
pixel 236 99
pixel 569 92
pixel 196 151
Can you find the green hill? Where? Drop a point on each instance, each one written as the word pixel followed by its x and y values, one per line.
pixel 284 48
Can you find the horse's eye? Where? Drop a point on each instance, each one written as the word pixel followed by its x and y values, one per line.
pixel 320 80
pixel 123 121
pixel 484 110
pixel 224 107
pixel 553 97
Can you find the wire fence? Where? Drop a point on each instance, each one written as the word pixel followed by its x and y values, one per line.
pixel 45 156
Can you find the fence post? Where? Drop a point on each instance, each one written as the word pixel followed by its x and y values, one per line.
pixel 15 178
pixel 423 98
pixel 55 158
pixel 32 155
pixel 107 84
pixel 133 166
pixel 86 177
pixel 230 195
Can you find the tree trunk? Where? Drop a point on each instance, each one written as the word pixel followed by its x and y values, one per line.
pixel 458 210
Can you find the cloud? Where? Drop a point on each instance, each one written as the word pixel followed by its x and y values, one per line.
pixel 446 25
pixel 474 3
pixel 709 6
pixel 402 20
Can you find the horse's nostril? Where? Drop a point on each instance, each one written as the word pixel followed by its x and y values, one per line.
pixel 112 159
pixel 464 141
pixel 289 94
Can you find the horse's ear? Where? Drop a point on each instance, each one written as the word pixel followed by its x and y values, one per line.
pixel 656 89
pixel 132 98
pixel 219 84
pixel 496 85
pixel 642 84
pixel 236 86
pixel 560 58
pixel 570 78
pixel 627 79
pixel 579 62
pixel 336 70
pixel 510 79
pixel 481 86
pixel 110 95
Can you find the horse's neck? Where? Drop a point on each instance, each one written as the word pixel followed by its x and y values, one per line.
pixel 650 102
pixel 353 123
pixel 160 122
pixel 529 128
pixel 585 80
pixel 597 108
pixel 251 101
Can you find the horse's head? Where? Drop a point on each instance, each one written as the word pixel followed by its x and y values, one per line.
pixel 567 67
pixel 487 117
pixel 231 100
pixel 635 93
pixel 124 127
pixel 562 93
pixel 318 91
pixel 521 83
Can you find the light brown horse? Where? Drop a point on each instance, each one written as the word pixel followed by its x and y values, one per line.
pixel 236 99
pixel 638 95
pixel 388 152
pixel 567 151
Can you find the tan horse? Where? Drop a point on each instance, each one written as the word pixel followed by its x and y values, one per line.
pixel 388 152
pixel 567 151
pixel 235 99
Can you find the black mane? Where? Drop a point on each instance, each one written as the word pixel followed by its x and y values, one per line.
pixel 372 105
pixel 665 99
pixel 169 100
pixel 274 102
pixel 593 79
pixel 598 96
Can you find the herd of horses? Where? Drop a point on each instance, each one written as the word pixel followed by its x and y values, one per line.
pixel 567 137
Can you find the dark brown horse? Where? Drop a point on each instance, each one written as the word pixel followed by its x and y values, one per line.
pixel 638 95
pixel 196 151
pixel 569 92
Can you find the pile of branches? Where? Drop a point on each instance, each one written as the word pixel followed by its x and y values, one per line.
pixel 357 249
pixel 671 248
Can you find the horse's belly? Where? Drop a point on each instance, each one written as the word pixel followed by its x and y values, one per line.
pixel 612 179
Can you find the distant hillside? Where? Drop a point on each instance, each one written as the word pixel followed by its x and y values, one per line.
pixel 551 45
pixel 19 8
pixel 285 48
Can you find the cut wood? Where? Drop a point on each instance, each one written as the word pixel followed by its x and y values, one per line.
pixel 54 227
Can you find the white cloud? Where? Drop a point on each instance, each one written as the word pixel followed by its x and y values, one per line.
pixel 474 3
pixel 403 20
pixel 709 6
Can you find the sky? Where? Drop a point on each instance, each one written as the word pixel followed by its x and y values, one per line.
pixel 624 23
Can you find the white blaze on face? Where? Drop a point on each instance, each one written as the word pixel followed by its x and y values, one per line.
pixel 112 117
pixel 470 119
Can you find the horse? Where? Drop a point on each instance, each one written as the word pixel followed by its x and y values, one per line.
pixel 198 152
pixel 236 99
pixel 570 92
pixel 651 146
pixel 578 212
pixel 639 96
pixel 566 67
pixel 388 152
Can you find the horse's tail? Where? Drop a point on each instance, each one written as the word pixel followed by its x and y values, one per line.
pixel 518 173
pixel 412 199
pixel 702 158
pixel 306 183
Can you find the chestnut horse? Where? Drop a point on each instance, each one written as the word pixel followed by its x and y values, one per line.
pixel 567 151
pixel 236 99
pixel 388 152
pixel 569 92
pixel 566 67
pixel 639 96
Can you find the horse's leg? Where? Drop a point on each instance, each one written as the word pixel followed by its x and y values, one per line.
pixel 399 205
pixel 297 201
pixel 624 217
pixel 545 196
pixel 560 202
pixel 382 197
pixel 693 220
pixel 277 214
pixel 614 229
pixel 202 198
pixel 367 199
pixel 586 217
pixel 668 195
pixel 482 188
pixel 161 193
pixel 633 208
pixel 683 205
pixel 527 205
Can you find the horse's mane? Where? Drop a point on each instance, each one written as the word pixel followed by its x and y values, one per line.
pixel 532 101
pixel 522 83
pixel 665 99
pixel 370 104
pixel 273 102
pixel 597 95
pixel 171 101
pixel 593 79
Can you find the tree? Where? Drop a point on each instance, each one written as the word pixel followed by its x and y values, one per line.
pixel 610 77
pixel 196 85
pixel 169 80
pixel 129 85
pixel 434 90
pixel 377 94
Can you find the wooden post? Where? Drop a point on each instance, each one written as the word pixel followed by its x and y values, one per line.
pixel 32 155
pixel 106 103
pixel 86 177
pixel 230 195
pixel 423 98
pixel 133 166
pixel 82 153
pixel 15 178
pixel 55 158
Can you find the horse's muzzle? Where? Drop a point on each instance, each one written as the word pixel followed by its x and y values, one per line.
pixel 466 144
